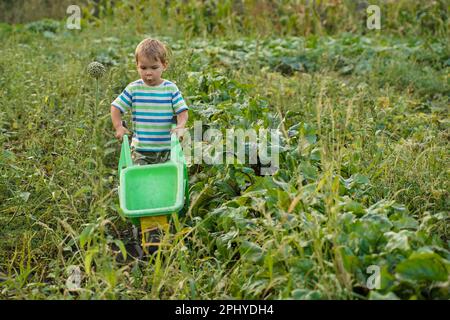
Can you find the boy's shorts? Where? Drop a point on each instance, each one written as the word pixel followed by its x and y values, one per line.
pixel 143 158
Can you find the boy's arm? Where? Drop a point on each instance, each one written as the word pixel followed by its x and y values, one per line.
pixel 182 118
pixel 116 118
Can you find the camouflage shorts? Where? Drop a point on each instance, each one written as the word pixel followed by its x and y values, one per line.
pixel 143 158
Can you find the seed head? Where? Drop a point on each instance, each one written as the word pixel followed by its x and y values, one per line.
pixel 96 70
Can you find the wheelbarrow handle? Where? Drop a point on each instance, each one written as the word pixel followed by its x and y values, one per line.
pixel 176 152
pixel 125 155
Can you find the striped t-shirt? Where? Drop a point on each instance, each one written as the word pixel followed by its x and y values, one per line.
pixel 153 108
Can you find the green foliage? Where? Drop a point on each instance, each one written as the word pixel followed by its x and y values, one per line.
pixel 363 177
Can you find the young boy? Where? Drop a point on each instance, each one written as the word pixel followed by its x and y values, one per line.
pixel 153 102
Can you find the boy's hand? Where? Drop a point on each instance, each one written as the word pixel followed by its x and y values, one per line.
pixel 179 131
pixel 120 132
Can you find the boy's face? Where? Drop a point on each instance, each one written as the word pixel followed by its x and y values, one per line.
pixel 150 70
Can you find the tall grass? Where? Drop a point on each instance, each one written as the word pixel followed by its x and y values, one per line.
pixel 362 125
pixel 302 17
pixel 238 17
pixel 23 11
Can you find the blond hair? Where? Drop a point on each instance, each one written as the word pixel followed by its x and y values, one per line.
pixel 152 49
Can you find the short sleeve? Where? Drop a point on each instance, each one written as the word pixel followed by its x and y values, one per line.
pixel 178 103
pixel 124 101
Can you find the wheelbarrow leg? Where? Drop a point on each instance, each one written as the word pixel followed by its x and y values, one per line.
pixel 152 231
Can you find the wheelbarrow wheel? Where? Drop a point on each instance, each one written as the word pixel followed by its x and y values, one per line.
pixel 132 243
pixel 152 240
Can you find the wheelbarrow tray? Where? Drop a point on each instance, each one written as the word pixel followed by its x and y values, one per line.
pixel 152 190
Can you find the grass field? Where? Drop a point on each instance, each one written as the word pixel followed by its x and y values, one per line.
pixel 363 178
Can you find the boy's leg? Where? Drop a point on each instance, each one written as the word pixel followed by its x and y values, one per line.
pixel 137 157
pixel 143 158
pixel 163 156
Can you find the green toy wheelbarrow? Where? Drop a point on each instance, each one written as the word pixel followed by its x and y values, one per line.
pixel 149 194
